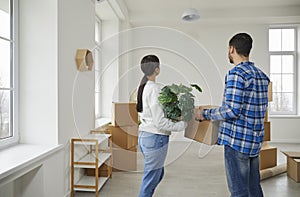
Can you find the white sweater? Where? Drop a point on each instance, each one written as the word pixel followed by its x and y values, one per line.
pixel 152 117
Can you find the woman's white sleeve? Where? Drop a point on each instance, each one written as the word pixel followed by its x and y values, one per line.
pixel 162 123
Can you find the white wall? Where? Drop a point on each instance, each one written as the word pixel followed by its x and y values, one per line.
pixel 125 62
pixel 200 59
pixel 56 101
pixel 110 65
pixel 298 55
pixel 38 72
pixel 44 178
pixel 75 89
pixel 285 129
pixel 40 181
pixel 76 27
pixel 183 60
pixel 38 85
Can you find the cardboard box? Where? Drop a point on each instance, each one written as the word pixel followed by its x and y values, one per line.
pixel 264 143
pixel 270 92
pixel 267 136
pixel 124 114
pixel 267 116
pixel 84 60
pixel 124 160
pixel 124 137
pixel 293 165
pixel 205 132
pixel 268 157
pixel 103 171
pixel 293 169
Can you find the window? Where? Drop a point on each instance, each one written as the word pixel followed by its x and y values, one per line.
pixel 7 74
pixel 282 50
pixel 97 68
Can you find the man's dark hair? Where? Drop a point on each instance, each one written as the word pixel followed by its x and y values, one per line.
pixel 242 43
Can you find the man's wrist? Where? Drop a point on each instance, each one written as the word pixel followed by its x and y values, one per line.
pixel 205 114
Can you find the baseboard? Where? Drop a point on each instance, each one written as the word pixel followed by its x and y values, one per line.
pixel 286 141
pixel 68 194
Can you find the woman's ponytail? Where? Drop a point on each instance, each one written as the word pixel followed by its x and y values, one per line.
pixel 148 65
pixel 139 105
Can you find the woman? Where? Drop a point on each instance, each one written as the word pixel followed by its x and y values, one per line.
pixel 154 129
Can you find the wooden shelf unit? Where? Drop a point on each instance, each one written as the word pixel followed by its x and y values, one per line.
pixel 98 155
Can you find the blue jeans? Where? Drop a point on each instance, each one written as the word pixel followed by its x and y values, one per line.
pixel 154 148
pixel 242 171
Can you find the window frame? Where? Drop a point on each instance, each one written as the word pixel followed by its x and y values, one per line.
pixel 14 89
pixel 98 69
pixel 295 70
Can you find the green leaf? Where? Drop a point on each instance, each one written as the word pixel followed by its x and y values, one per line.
pixel 174 88
pixel 196 87
pixel 184 89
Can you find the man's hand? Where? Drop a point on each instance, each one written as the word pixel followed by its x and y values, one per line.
pixel 199 114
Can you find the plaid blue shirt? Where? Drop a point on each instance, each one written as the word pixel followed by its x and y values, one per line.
pixel 243 109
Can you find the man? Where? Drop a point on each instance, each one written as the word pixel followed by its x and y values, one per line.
pixel 242 119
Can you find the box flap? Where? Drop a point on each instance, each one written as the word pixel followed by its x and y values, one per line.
pixel 297 160
pixel 209 106
pixel 267 147
pixel 291 154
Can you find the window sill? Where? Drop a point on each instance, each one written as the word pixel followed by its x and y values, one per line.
pixel 284 116
pixel 100 122
pixel 22 158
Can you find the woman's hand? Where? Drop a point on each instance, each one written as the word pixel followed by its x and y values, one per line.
pixel 199 114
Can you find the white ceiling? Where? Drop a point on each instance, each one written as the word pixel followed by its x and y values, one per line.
pixel 162 12
pixel 104 11
pixel 4 5
pixel 164 5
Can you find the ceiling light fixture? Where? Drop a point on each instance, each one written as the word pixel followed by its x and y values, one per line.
pixel 190 14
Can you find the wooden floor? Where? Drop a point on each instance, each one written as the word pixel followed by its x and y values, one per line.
pixel 193 170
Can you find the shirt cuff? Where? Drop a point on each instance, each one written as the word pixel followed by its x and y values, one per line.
pixel 206 114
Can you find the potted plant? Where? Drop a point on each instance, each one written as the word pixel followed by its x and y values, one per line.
pixel 177 101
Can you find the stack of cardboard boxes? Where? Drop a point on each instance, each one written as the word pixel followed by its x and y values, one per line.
pixel 268 154
pixel 124 130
